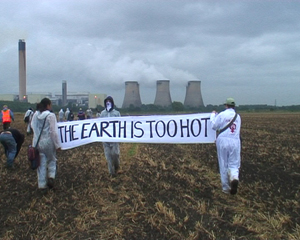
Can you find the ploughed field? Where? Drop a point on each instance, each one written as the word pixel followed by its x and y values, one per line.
pixel 163 191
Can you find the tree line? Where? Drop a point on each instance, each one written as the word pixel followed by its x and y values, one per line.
pixel 17 106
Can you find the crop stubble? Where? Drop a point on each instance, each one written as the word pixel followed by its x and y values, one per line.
pixel 163 191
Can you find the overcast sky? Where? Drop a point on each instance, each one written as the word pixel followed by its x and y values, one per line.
pixel 248 50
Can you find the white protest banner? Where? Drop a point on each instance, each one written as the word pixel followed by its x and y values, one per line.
pixel 188 128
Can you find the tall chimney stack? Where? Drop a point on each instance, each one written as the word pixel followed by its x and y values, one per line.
pixel 193 96
pixel 163 96
pixel 132 95
pixel 22 70
pixel 64 93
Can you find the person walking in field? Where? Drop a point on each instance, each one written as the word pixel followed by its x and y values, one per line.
pixel 228 125
pixel 48 144
pixel 27 119
pixel 111 149
pixel 6 116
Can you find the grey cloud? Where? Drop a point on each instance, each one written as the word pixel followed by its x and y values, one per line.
pixel 245 49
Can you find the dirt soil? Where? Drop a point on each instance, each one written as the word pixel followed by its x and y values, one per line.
pixel 162 191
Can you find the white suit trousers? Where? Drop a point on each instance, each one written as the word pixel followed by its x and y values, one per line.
pixel 112 155
pixel 229 157
pixel 47 169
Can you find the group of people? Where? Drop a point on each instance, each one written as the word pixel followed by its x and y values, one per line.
pixel 11 139
pixel 69 115
pixel 49 142
pixel 43 123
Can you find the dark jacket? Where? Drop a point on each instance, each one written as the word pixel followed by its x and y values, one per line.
pixel 70 116
pixel 81 115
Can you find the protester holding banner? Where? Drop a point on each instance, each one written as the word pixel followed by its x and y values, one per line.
pixel 111 149
pixel 44 124
pixel 228 124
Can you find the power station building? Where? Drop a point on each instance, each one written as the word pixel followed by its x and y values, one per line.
pixel 193 96
pixel 96 99
pixel 163 96
pixel 64 93
pixel 92 100
pixel 132 95
pixel 22 70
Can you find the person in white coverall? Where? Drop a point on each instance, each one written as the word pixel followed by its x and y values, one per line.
pixel 228 145
pixel 67 114
pixel 28 117
pixel 61 115
pixel 111 149
pixel 48 145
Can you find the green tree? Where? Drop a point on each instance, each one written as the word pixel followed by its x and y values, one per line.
pixel 177 106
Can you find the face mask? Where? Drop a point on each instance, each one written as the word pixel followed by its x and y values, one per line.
pixel 108 106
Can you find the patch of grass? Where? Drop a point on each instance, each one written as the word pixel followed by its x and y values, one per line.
pixel 132 151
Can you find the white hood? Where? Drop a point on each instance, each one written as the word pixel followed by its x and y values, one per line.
pixel 42 115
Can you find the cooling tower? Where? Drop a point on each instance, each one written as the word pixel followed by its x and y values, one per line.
pixel 163 96
pixel 64 93
pixel 132 95
pixel 22 70
pixel 193 97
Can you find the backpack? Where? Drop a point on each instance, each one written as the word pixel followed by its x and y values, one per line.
pixel 26 119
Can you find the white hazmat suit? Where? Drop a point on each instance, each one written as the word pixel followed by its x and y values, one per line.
pixel 228 147
pixel 29 113
pixel 67 114
pixel 61 115
pixel 48 144
pixel 111 149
